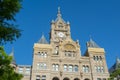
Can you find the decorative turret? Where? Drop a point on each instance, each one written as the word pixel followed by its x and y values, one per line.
pixel 43 40
pixel 13 58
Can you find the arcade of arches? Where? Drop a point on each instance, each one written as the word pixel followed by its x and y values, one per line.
pixel 56 78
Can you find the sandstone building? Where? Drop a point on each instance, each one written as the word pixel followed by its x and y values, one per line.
pixel 61 58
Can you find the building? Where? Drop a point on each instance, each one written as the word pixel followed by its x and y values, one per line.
pixel 61 59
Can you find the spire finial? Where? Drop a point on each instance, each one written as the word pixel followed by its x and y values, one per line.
pixel 59 14
pixel 90 37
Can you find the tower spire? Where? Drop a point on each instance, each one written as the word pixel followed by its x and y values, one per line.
pixel 59 14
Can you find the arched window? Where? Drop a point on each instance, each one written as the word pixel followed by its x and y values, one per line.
pixel 70 68
pixel 97 58
pixel 45 55
pixel 65 67
pixel 99 70
pixel 87 69
pixel 100 58
pixel 75 68
pixel 83 68
pixel 55 67
pixel 41 65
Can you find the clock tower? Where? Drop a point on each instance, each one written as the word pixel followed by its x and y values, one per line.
pixel 60 30
pixel 60 36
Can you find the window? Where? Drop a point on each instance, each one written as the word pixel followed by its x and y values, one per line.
pixel 98 78
pixel 97 58
pixel 41 66
pixel 37 77
pixel 86 69
pixel 70 67
pixel 76 68
pixel 102 69
pixel 100 58
pixel 65 67
pixel 20 70
pixel 55 67
pixel 27 69
pixel 43 77
pixel 94 57
pixel 104 78
pixel 83 68
pixel 98 69
pixel 45 55
pixel 42 54
pixel 69 55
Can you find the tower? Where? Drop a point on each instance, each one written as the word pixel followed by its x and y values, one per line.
pixel 97 60
pixel 60 30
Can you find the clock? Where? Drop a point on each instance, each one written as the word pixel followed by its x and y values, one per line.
pixel 60 34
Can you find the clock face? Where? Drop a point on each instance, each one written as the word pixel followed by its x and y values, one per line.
pixel 60 34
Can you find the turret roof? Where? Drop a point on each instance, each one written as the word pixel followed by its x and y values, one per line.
pixel 43 40
pixel 92 44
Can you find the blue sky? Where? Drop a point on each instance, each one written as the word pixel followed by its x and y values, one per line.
pixel 98 18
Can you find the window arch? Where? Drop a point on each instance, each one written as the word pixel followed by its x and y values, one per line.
pixel 66 78
pixel 76 79
pixel 86 79
pixel 55 78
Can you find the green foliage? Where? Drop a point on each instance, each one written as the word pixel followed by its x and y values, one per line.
pixel 114 74
pixel 6 70
pixel 9 31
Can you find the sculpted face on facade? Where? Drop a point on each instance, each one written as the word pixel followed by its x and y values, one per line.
pixel 61 58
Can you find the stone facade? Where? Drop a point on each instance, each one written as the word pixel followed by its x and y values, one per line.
pixel 61 59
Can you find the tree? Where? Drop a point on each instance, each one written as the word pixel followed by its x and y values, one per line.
pixel 9 31
pixel 115 74
pixel 6 70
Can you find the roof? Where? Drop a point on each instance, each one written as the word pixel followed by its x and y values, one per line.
pixel 92 44
pixel 43 40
